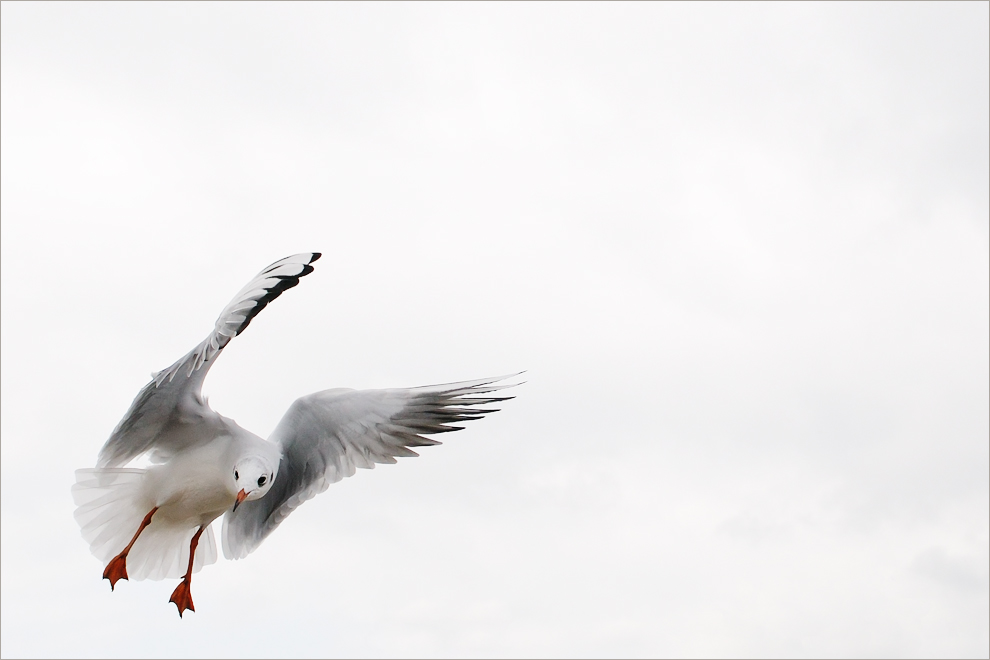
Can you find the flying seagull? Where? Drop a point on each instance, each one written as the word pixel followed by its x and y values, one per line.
pixel 155 523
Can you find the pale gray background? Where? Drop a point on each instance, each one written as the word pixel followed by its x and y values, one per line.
pixel 742 251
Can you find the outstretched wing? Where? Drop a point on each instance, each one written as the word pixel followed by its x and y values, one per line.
pixel 165 414
pixel 325 436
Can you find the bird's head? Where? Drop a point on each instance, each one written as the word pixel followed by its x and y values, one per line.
pixel 252 477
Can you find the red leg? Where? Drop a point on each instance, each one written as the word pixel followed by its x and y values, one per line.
pixel 182 596
pixel 117 568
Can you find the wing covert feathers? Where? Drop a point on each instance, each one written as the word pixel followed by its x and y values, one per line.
pixel 327 435
pixel 168 401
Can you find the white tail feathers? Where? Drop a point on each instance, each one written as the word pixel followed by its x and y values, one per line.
pixel 110 506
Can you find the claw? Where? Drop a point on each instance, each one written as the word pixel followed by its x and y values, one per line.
pixel 182 597
pixel 116 569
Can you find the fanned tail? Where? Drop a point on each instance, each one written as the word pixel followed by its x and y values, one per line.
pixel 109 509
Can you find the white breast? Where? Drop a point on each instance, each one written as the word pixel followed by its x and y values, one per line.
pixel 194 487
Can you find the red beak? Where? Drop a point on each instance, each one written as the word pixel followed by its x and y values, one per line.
pixel 241 496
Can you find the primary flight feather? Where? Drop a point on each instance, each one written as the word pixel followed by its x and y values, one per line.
pixel 155 522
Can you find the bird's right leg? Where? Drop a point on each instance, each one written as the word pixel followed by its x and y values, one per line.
pixel 117 568
pixel 182 596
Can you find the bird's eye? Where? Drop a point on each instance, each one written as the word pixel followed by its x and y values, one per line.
pixel 262 479
pixel 236 476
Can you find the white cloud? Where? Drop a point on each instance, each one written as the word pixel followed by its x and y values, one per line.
pixel 741 251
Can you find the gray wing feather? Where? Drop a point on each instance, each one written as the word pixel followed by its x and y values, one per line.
pixel 326 436
pixel 167 412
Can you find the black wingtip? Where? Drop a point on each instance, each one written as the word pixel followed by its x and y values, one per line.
pixel 285 282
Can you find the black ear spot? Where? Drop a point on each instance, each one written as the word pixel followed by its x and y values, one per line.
pixel 262 479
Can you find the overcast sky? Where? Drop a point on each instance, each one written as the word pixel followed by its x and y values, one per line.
pixel 741 251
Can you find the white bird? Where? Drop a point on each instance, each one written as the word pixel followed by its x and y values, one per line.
pixel 155 523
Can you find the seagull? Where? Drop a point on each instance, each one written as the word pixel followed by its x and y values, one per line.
pixel 155 522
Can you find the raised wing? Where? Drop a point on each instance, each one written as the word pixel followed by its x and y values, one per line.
pixel 168 413
pixel 327 435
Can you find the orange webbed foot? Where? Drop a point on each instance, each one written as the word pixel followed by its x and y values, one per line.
pixel 182 597
pixel 116 570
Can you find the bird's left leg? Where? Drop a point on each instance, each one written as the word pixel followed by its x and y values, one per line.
pixel 182 596
pixel 117 568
